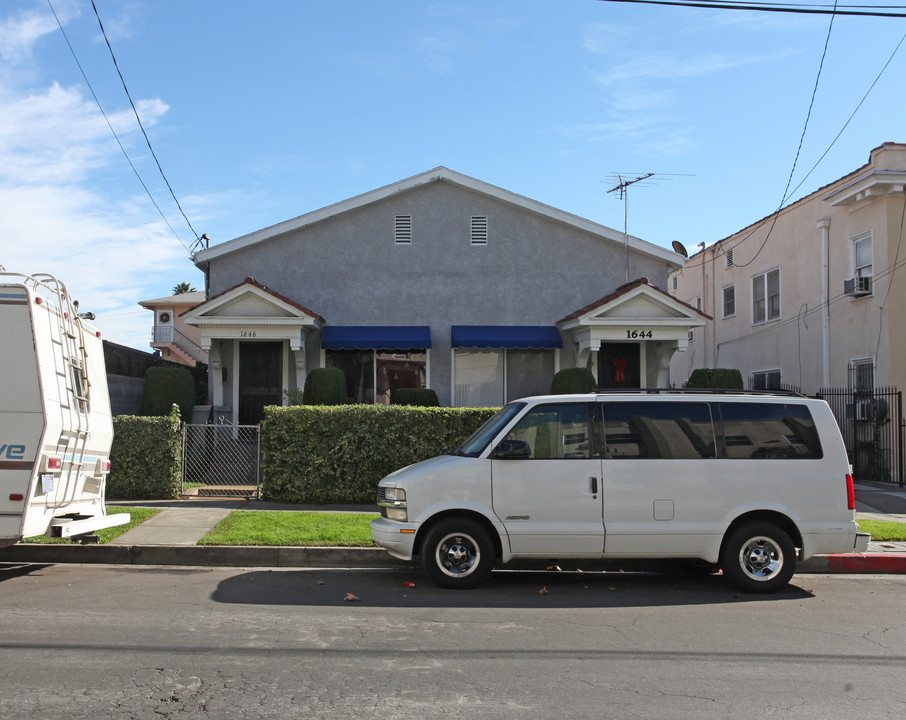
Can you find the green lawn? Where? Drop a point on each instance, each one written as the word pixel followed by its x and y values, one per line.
pixel 139 515
pixel 291 528
pixel 889 530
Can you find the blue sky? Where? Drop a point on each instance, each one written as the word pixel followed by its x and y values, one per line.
pixel 262 111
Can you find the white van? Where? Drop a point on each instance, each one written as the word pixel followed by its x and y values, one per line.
pixel 742 481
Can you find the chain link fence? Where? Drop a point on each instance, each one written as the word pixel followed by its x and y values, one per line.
pixel 221 460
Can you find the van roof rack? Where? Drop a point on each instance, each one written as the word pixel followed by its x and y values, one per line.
pixel 695 391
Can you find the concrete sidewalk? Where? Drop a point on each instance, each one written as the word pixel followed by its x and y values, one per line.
pixel 171 536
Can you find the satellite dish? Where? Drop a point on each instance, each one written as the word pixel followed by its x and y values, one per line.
pixel 678 247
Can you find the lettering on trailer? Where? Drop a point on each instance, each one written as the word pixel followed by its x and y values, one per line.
pixel 12 452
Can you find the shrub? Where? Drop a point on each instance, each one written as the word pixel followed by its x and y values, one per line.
pixel 422 397
pixel 146 457
pixel 338 454
pixel 718 378
pixel 165 387
pixel 573 380
pixel 325 386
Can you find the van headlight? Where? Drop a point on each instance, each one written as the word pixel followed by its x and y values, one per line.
pixel 392 502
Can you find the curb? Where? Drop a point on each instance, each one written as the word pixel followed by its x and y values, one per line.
pixel 203 555
pixel 342 557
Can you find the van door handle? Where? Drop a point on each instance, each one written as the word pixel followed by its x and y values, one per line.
pixel 593 483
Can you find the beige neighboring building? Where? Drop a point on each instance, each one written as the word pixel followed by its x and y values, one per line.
pixel 812 297
pixel 176 341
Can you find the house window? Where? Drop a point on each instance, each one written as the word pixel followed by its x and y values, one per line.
pixel 862 374
pixel 402 229
pixel 492 377
pixel 372 376
pixel 863 256
pixel 765 380
pixel 766 297
pixel 729 297
pixel 478 232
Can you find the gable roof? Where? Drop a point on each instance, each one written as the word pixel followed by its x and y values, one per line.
pixel 438 174
pixel 627 292
pixel 249 290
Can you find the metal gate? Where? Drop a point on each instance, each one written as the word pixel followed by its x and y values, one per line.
pixel 221 460
pixel 871 422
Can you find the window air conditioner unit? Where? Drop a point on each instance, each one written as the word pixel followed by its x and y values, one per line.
pixel 857 286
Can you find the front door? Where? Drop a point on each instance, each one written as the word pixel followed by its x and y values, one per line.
pixel 260 379
pixel 551 502
pixel 620 365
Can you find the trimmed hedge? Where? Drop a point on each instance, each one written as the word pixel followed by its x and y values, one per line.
pixel 573 380
pixel 718 378
pixel 165 387
pixel 324 386
pixel 146 457
pixel 421 397
pixel 338 454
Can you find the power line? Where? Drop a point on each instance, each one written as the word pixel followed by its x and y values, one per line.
pixel 135 111
pixel 862 11
pixel 110 125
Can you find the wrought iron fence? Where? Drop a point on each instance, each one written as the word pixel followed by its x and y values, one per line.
pixel 221 460
pixel 871 421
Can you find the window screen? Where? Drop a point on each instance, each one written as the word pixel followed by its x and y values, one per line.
pixel 658 430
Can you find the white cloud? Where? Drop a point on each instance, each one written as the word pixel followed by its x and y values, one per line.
pixel 62 215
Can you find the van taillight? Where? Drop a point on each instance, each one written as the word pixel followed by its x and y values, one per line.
pixel 850 493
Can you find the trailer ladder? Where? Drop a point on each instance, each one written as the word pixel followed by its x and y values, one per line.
pixel 75 361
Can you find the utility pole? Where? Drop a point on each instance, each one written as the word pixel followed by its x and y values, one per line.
pixel 623 188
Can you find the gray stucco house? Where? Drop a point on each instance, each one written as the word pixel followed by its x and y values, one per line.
pixel 439 281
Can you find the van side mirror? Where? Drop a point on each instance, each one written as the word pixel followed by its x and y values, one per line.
pixel 512 450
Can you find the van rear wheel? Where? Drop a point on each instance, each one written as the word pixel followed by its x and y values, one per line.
pixel 758 557
pixel 457 553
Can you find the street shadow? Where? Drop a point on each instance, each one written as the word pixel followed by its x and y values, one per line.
pixel 505 589
pixel 8 571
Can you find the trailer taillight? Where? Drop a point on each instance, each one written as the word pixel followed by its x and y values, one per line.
pixel 850 492
pixel 16 497
pixel 38 301
pixel 103 467
pixel 54 463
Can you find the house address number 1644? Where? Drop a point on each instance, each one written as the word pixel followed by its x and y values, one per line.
pixel 639 334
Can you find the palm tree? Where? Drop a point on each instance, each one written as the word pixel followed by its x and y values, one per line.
pixel 182 288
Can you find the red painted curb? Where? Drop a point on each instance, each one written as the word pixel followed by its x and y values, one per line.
pixel 874 563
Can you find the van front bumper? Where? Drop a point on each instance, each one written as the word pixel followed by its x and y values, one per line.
pixel 397 538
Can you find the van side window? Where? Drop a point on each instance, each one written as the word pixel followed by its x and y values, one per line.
pixel 658 430
pixel 556 431
pixel 769 431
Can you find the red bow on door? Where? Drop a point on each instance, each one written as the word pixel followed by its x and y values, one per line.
pixel 619 374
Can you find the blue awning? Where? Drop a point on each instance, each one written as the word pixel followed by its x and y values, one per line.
pixel 506 336
pixel 376 337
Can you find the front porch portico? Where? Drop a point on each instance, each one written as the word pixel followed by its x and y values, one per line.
pixel 628 338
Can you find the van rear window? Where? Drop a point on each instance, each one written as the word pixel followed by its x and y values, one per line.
pixel 767 431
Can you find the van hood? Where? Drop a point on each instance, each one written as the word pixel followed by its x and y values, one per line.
pixel 422 469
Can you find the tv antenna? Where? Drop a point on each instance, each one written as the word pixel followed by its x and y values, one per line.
pixel 622 187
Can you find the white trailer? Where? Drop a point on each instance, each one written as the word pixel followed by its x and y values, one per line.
pixel 55 423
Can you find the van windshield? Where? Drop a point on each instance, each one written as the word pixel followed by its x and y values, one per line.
pixel 478 441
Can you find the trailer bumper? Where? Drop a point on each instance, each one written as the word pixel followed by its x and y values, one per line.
pixel 66 527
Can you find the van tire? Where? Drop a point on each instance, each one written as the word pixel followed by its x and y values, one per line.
pixel 457 553
pixel 758 557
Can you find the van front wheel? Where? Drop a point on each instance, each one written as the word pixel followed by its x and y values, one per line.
pixel 457 553
pixel 758 557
